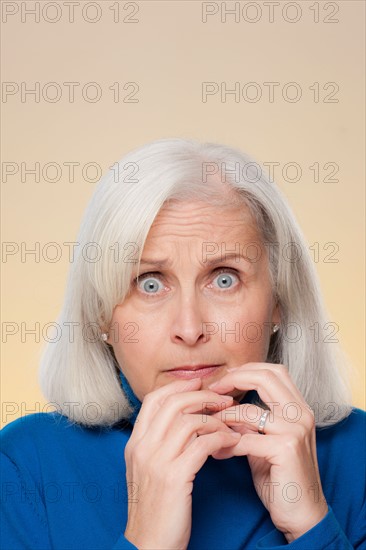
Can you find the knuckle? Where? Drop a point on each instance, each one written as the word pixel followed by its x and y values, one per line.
pixel 130 446
pixel 169 399
pixel 188 426
pixel 185 419
pixel 217 425
pixel 204 425
pixel 128 453
pixel 209 396
pixel 199 444
pixel 302 431
pixel 149 397
pixel 207 439
pixel 292 445
pixel 251 413
pixel 309 419
pixel 269 376
pixel 282 370
pixel 138 454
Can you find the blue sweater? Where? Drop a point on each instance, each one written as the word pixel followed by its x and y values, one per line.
pixel 64 487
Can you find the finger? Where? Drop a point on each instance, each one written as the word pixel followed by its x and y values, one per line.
pixel 247 417
pixel 280 370
pixel 175 406
pixel 192 426
pixel 244 447
pixel 269 387
pixel 152 402
pixel 283 451
pixel 269 447
pixel 192 460
pixel 282 373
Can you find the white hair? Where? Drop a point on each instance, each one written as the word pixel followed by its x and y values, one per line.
pixel 80 373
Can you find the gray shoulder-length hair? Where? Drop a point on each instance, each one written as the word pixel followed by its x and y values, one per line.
pixel 79 373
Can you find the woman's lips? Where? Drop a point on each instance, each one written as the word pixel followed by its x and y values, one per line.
pixel 198 373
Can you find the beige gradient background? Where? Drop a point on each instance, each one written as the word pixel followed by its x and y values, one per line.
pixel 169 52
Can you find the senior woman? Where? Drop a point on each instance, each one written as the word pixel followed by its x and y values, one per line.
pixel 195 408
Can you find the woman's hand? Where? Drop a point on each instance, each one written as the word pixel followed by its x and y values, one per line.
pixel 163 455
pixel 283 462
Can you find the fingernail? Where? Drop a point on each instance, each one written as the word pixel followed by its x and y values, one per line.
pixel 226 397
pixel 213 384
pixel 232 368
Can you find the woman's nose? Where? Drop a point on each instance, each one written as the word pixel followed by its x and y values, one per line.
pixel 188 322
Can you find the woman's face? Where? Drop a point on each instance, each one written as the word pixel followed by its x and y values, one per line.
pixel 188 311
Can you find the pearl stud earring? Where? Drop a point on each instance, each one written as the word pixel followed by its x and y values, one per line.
pixel 275 328
pixel 104 336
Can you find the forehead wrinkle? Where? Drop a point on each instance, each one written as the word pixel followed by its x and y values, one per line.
pixel 193 217
pixel 171 254
pixel 174 229
pixel 229 233
pixel 203 212
pixel 179 224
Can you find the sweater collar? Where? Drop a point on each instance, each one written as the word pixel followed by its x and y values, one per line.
pixel 134 402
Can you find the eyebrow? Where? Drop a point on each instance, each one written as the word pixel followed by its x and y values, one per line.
pixel 211 262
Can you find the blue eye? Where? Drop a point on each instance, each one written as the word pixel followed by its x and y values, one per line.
pixel 150 285
pixel 225 278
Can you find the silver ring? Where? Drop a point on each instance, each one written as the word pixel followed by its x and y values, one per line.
pixel 262 422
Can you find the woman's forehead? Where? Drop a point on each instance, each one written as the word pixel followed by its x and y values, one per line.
pixel 202 228
pixel 201 217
